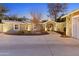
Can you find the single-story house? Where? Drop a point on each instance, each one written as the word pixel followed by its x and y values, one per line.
pixel 9 26
pixel 15 26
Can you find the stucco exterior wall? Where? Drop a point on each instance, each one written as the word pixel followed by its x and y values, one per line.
pixel 7 27
pixel 23 26
pixel 68 25
pixel 10 27
pixel 59 26
pixel 1 27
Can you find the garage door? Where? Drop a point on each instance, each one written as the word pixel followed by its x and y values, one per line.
pixel 75 26
pixel 78 28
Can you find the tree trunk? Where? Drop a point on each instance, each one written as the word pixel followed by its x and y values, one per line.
pixel 55 17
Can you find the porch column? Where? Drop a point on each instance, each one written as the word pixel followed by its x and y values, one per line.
pixel 29 27
pixel 45 28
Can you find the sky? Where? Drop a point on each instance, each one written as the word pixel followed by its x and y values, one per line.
pixel 24 9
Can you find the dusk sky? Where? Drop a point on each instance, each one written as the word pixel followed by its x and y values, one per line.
pixel 24 9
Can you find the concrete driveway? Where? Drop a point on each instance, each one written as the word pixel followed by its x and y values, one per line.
pixel 39 45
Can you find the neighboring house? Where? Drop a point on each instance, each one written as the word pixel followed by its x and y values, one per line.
pixel 72 24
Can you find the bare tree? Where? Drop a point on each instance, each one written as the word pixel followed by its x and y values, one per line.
pixel 57 9
pixel 36 17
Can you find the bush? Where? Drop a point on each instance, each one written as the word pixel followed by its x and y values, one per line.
pixel 24 32
pixel 20 32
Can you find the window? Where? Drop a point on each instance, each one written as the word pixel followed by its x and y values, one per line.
pixel 16 27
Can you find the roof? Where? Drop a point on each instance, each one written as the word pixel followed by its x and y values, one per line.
pixel 10 21
pixel 76 10
pixel 49 21
pixel 44 21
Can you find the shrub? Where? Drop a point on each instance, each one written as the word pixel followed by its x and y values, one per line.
pixel 20 32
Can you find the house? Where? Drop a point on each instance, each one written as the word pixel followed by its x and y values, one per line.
pixel 72 23
pixel 8 26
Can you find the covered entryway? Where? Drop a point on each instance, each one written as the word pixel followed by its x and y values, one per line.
pixel 75 26
pixel 49 25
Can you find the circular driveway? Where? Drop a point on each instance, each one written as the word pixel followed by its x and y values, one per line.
pixel 39 45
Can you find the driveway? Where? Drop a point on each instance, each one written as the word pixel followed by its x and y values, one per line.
pixel 39 45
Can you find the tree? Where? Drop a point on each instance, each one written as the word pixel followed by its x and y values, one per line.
pixel 17 18
pixel 22 18
pixel 13 17
pixel 3 10
pixel 36 17
pixel 57 9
